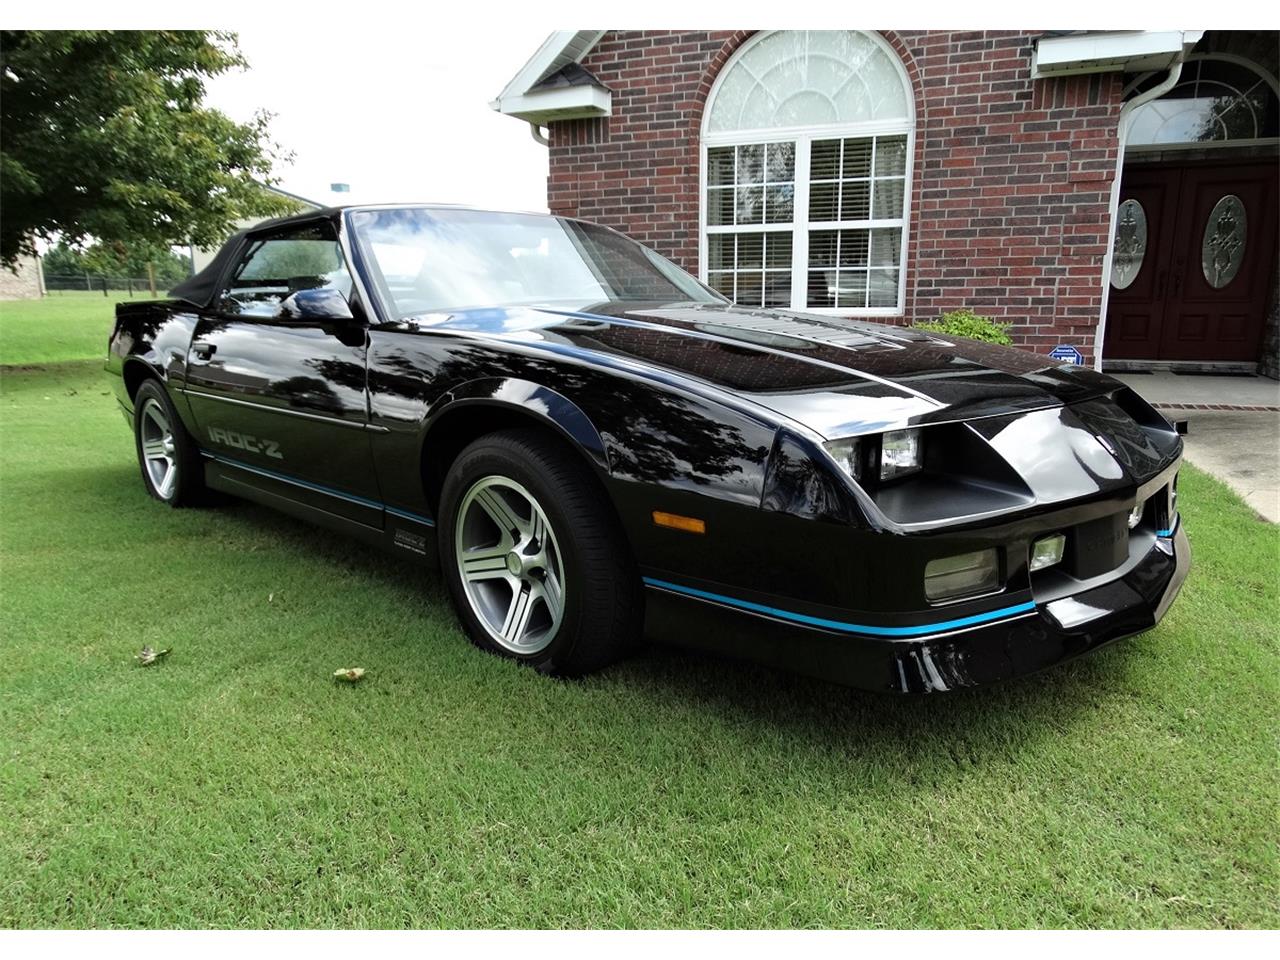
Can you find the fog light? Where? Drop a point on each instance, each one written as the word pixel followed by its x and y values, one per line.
pixel 1047 551
pixel 966 573
pixel 899 453
pixel 1135 515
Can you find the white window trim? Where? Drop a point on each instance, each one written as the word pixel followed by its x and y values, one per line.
pixel 805 136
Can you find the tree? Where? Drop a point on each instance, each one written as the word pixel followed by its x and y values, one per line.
pixel 105 136
pixel 117 260
pixel 131 260
pixel 62 260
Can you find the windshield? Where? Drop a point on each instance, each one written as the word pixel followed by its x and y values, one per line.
pixel 428 260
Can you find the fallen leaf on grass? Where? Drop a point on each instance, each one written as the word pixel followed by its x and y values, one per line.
pixel 349 674
pixel 149 656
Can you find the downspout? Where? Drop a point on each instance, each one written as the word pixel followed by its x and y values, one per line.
pixel 1122 138
pixel 535 131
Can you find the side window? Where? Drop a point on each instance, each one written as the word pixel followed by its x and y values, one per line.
pixel 276 267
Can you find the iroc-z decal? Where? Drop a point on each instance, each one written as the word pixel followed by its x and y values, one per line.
pixel 243 441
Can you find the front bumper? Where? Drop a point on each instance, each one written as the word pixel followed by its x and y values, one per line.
pixel 1044 634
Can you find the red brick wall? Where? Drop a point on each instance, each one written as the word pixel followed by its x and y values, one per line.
pixel 637 171
pixel 1011 184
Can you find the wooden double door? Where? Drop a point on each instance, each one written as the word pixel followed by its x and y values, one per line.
pixel 1193 256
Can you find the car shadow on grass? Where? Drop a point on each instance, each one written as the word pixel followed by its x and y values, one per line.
pixel 961 727
pixel 829 713
pixel 811 708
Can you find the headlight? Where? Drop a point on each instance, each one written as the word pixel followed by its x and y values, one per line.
pixel 848 455
pixel 899 453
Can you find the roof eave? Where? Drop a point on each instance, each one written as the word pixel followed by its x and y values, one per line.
pixel 1102 52
pixel 293 196
pixel 564 103
pixel 560 48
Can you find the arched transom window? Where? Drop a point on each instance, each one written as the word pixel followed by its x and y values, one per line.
pixel 807 140
pixel 1217 99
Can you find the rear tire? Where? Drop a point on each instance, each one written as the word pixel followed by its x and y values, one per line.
pixel 534 557
pixel 171 467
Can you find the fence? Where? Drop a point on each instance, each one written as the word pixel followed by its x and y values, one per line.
pixel 65 283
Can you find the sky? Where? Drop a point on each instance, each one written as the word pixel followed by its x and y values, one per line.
pixel 401 116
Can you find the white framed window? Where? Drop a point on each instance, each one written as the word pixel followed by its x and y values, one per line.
pixel 807 142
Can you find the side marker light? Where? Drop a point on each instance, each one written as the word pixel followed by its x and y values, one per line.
pixel 677 522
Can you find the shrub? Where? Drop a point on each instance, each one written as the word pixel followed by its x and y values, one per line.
pixel 966 323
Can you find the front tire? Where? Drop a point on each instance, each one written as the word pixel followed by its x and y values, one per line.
pixel 534 557
pixel 167 456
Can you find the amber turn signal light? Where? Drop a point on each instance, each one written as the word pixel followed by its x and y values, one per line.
pixel 677 522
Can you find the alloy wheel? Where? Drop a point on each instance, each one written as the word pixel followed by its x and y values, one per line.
pixel 510 564
pixel 159 454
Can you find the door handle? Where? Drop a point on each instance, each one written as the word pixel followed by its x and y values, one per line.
pixel 203 350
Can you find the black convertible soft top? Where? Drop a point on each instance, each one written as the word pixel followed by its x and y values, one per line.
pixel 202 288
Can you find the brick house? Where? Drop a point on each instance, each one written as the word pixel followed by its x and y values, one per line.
pixel 1111 192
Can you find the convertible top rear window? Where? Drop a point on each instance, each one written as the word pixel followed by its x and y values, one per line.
pixel 428 260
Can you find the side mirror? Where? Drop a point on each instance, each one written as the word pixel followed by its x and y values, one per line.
pixel 318 303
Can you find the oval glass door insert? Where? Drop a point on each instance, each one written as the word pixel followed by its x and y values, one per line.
pixel 1130 243
pixel 1224 236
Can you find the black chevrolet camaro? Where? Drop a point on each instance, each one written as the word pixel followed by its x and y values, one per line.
pixel 597 448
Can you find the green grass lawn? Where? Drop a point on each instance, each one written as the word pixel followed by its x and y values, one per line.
pixel 234 784
pixel 62 326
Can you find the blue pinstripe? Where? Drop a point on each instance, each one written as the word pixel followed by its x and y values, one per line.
pixel 869 630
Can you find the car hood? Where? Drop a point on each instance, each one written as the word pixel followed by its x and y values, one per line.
pixel 839 377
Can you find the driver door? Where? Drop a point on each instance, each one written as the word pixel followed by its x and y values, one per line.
pixel 283 401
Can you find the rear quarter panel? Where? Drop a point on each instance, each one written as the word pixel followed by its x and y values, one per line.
pixel 151 339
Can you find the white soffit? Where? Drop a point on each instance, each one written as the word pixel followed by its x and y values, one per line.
pixel 1100 52
pixel 520 99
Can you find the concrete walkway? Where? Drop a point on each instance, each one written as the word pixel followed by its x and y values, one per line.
pixel 1240 448
pixel 1234 428
pixel 1204 392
